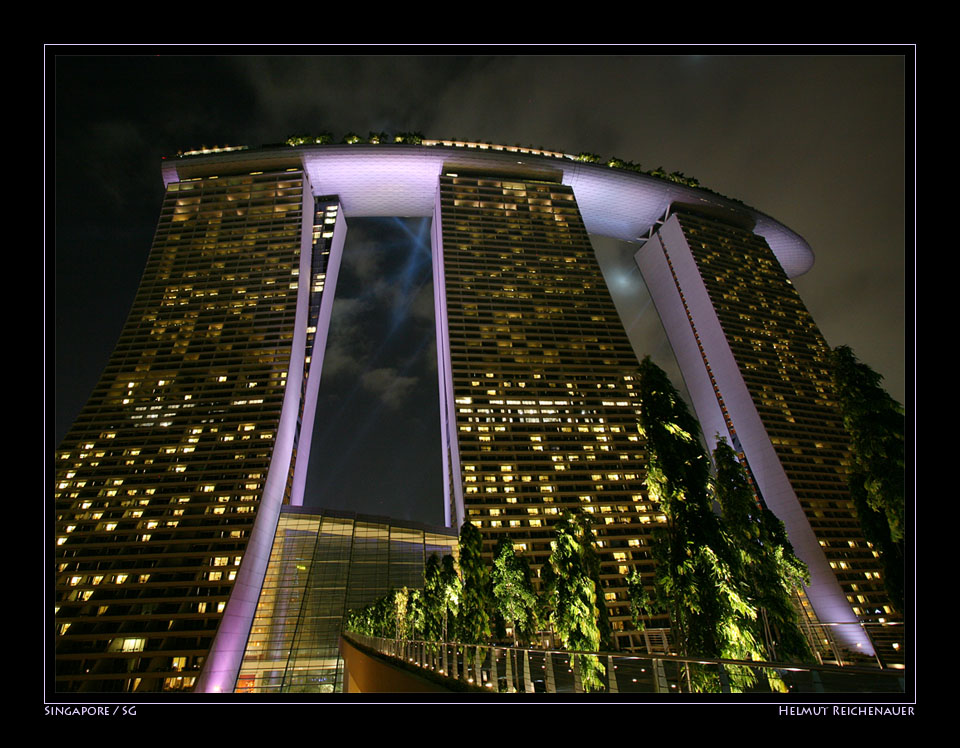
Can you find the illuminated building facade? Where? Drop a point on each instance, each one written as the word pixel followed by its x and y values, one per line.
pixel 322 565
pixel 173 474
pixel 170 484
pixel 537 375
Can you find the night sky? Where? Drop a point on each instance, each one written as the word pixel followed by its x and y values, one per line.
pixel 818 142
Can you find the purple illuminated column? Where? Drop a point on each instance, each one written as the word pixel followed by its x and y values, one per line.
pixel 309 408
pixel 453 512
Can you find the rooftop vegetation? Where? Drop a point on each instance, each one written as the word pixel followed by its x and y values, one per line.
pixel 416 138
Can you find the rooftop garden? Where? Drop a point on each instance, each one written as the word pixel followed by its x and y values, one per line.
pixel 416 138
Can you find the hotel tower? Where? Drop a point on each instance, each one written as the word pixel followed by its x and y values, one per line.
pixel 172 482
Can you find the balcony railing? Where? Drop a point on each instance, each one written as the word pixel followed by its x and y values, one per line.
pixel 515 669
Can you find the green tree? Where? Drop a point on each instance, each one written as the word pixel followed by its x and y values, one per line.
pixel 763 557
pixel 476 598
pixel 323 138
pixel 401 601
pixel 377 618
pixel 695 580
pixel 592 561
pixel 641 604
pixel 409 138
pixel 876 530
pixel 434 605
pixel 441 597
pixel 875 423
pixel 385 615
pixel 450 590
pixel 415 614
pixel 354 622
pixel 574 595
pixel 619 163
pixel 513 591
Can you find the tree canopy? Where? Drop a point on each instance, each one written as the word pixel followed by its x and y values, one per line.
pixel 695 576
pixel 514 592
pixel 575 598
pixel 875 424
pixel 441 597
pixel 476 598
pixel 763 557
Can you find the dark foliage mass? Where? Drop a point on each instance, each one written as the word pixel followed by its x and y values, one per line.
pixel 875 424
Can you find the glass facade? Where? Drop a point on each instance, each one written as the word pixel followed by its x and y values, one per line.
pixel 322 565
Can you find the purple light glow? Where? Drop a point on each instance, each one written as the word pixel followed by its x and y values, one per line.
pixel 449 443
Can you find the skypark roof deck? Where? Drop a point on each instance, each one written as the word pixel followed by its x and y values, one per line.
pixel 401 180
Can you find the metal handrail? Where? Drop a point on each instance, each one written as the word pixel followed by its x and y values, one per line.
pixel 510 668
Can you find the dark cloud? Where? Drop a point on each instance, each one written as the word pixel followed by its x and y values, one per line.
pixel 422 304
pixel 389 385
pixel 816 141
pixel 365 260
pixel 353 93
